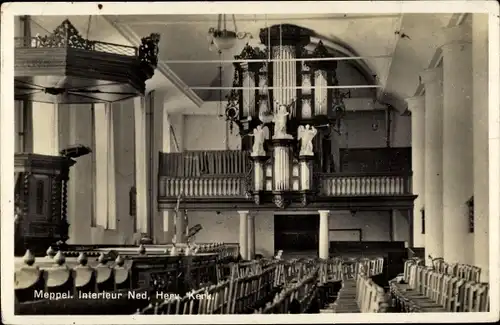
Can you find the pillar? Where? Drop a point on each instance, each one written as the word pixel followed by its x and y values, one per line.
pixel 324 243
pixel 244 234
pixel 251 237
pixel 141 163
pixel 80 185
pixel 45 128
pixel 457 143
pixel 417 107
pixel 124 143
pixel 433 162
pixel 480 143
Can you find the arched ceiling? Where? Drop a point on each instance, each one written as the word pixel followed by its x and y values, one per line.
pixel 395 60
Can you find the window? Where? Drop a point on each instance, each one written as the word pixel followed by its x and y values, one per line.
pixel 104 169
pixel 422 212
pixel 470 206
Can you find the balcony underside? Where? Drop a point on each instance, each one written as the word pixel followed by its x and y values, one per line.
pixel 329 203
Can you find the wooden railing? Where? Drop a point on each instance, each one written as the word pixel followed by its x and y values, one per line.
pixel 226 174
pixel 369 184
pixel 203 187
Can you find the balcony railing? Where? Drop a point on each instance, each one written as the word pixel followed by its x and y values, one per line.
pixel 373 184
pixel 202 187
pixel 224 174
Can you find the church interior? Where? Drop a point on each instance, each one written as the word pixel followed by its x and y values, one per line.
pixel 242 164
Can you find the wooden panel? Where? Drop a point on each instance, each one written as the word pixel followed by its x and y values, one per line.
pixel 375 160
pixel 296 232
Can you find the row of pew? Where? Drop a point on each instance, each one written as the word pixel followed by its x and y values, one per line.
pixel 114 280
pixel 267 287
pixel 441 287
pixel 359 293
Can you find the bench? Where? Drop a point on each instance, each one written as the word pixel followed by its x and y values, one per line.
pixel 358 293
pixel 242 293
pixel 123 272
pixel 447 288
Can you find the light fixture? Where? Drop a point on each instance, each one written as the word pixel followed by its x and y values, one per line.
pixel 221 38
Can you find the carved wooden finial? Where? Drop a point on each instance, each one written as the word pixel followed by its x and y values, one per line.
pixel 119 261
pixel 29 258
pixel 102 259
pixel 142 249
pixel 59 259
pixel 82 259
pixel 50 252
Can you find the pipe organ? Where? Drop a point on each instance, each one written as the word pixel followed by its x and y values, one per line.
pixel 297 101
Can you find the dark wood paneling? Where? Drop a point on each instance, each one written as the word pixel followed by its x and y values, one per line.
pixel 296 232
pixel 372 160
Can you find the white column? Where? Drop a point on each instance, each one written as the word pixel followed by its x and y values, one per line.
pixel 417 107
pixel 80 185
pixel 433 162
pixel 141 163
pixel 251 237
pixel 244 234
pixel 46 129
pixel 480 138
pixel 457 143
pixel 324 243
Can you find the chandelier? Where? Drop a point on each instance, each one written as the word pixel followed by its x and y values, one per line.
pixel 221 38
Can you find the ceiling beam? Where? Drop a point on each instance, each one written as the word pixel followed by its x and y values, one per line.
pixel 255 19
pixel 356 104
pixel 135 40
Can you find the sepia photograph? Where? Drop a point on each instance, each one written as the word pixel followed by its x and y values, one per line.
pixel 217 159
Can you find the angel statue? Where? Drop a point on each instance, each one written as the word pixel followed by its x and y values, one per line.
pixel 306 135
pixel 260 134
pixel 280 119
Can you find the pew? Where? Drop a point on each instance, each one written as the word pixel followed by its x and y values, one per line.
pixel 442 287
pixel 358 293
pixel 81 279
pixel 247 288
pixel 149 279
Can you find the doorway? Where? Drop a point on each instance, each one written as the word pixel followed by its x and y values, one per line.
pixel 296 233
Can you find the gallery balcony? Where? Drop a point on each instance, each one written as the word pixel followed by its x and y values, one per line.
pixel 225 180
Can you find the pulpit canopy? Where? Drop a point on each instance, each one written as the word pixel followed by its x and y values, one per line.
pixel 66 68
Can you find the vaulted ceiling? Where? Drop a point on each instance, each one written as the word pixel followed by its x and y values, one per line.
pixel 396 47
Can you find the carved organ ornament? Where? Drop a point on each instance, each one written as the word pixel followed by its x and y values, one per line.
pixel 282 104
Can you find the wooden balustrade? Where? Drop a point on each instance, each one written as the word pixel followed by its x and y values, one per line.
pixel 448 288
pixel 202 187
pixel 227 174
pixel 193 164
pixel 364 184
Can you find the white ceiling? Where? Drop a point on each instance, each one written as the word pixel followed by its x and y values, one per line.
pixel 184 37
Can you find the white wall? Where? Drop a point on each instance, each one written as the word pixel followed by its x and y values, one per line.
pixel 224 226
pixel 358 131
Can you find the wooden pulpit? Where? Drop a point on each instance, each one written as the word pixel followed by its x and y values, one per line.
pixel 40 201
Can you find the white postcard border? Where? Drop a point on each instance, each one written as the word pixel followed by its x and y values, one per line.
pixel 9 10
